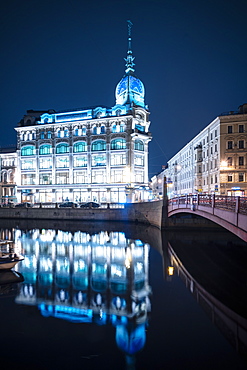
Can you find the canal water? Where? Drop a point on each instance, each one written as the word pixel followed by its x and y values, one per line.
pixel 115 296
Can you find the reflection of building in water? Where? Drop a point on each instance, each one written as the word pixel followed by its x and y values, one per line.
pixel 100 278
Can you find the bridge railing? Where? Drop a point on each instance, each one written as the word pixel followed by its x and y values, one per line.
pixel 230 203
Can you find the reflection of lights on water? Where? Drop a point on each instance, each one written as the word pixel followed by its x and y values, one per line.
pixel 128 258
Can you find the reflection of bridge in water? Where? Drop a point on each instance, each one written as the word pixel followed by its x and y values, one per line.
pixel 226 305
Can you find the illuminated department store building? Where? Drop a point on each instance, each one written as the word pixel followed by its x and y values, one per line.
pixel 96 153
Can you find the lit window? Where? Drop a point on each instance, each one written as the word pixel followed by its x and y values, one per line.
pixel 62 148
pixel 139 160
pixel 139 145
pixel 80 147
pixel 45 179
pixel 42 135
pixel 118 159
pixel 45 149
pixel 98 176
pixel 45 163
pixel 27 164
pixel 139 177
pixel 62 162
pixel 98 160
pixel 98 145
pixel 62 178
pixel 118 144
pixel 80 161
pixel 80 177
pixel 28 150
pixel 66 133
pixel 117 176
pixel 49 135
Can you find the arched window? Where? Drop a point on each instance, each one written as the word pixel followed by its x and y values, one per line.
pixel 49 135
pixel 102 129
pixel 45 149
pixel 98 145
pixel 139 145
pixel 80 147
pixel 114 128
pixel 66 133
pixel 84 130
pixel 59 133
pixel 28 150
pixel 117 144
pixel 76 132
pixel 42 135
pixel 94 130
pixel 62 148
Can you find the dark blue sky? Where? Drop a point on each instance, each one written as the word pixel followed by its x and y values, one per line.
pixel 191 56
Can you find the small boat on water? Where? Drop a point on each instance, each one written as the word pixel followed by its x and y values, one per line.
pixel 8 258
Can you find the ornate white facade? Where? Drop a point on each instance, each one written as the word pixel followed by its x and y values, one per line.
pixel 96 153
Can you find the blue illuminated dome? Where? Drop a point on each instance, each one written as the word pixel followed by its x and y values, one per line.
pixel 130 89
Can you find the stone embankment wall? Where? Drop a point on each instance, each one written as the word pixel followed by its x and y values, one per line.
pixel 147 212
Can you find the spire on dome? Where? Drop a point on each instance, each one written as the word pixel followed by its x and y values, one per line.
pixel 130 59
pixel 130 90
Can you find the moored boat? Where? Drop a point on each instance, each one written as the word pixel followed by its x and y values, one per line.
pixel 9 260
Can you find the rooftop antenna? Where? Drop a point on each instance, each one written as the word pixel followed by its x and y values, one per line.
pixel 130 59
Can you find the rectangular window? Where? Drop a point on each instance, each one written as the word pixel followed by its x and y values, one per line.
pixel 45 163
pixel 28 164
pixel 229 178
pixel 117 176
pixel 80 177
pixel 28 179
pixel 229 161
pixel 62 178
pixel 215 133
pixel 229 129
pixel 45 179
pixel 215 179
pixel 98 160
pixel 139 160
pixel 139 177
pixel 118 159
pixel 240 161
pixel 62 162
pixel 229 145
pixel 80 161
pixel 240 177
pixel 241 129
pixel 241 144
pixel 215 148
pixel 98 177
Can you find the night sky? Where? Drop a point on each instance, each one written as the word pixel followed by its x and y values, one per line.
pixel 191 56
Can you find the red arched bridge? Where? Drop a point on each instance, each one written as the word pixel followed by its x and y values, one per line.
pixel 228 212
